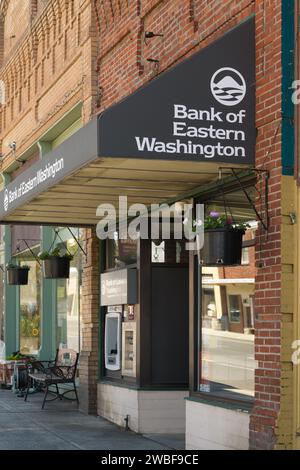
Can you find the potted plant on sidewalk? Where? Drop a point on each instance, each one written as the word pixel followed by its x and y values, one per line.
pixel 17 275
pixel 223 240
pixel 56 265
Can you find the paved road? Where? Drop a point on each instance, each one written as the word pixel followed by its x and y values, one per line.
pixel 24 426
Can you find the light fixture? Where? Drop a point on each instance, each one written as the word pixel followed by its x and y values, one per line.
pixel 150 35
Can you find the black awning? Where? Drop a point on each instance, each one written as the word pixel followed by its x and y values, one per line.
pixel 76 152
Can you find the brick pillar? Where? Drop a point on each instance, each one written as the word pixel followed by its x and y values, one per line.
pixel 267 305
pixel 271 423
pixel 88 370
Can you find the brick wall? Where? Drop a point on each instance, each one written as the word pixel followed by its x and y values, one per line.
pixel 38 6
pixel 47 72
pixel 16 16
pixel 187 25
pixel 88 370
pixel 17 19
pixel 268 247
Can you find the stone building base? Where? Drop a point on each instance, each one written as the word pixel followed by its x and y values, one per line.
pixel 211 427
pixel 148 411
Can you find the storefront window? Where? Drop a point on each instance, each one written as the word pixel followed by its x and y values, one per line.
pixel 121 253
pixel 68 306
pixel 30 310
pixel 226 331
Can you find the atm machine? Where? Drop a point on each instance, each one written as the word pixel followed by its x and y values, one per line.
pixel 112 342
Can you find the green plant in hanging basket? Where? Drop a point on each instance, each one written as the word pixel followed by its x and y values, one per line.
pixel 56 264
pixel 16 266
pixel 17 275
pixel 56 253
pixel 223 241
pixel 216 221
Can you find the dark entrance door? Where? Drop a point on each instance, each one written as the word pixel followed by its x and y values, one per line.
pixel 169 299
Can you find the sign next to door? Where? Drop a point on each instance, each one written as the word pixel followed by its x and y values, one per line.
pixel 119 287
pixel 201 110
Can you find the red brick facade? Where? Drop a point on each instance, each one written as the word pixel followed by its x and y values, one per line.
pixel 89 356
pixel 48 69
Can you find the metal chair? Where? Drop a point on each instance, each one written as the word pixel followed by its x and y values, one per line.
pixel 54 373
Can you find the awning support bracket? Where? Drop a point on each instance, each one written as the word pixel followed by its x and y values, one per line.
pixel 29 248
pixel 265 223
pixel 77 241
pixel 56 236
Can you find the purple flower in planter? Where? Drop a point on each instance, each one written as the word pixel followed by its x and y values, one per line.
pixel 214 215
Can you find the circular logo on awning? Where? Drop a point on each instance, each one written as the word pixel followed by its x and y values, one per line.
pixel 228 86
pixel 5 200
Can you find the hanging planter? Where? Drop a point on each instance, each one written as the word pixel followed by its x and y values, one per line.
pixel 55 264
pixel 223 241
pixel 17 275
pixel 222 247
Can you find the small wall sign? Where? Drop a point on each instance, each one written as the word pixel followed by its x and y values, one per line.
pixel 119 287
pixel 130 312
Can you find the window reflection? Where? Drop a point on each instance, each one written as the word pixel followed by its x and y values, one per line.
pixel 30 309
pixel 68 307
pixel 226 326
pixel 121 253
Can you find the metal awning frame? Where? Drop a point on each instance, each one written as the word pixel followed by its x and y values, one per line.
pixel 239 179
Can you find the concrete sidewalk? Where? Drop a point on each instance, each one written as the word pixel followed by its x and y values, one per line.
pixel 60 426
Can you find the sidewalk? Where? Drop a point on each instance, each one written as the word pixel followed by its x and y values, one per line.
pixel 24 426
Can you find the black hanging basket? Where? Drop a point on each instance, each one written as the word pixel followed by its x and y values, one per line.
pixel 55 267
pixel 17 275
pixel 222 247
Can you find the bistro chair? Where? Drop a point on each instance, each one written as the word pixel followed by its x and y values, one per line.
pixel 46 374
